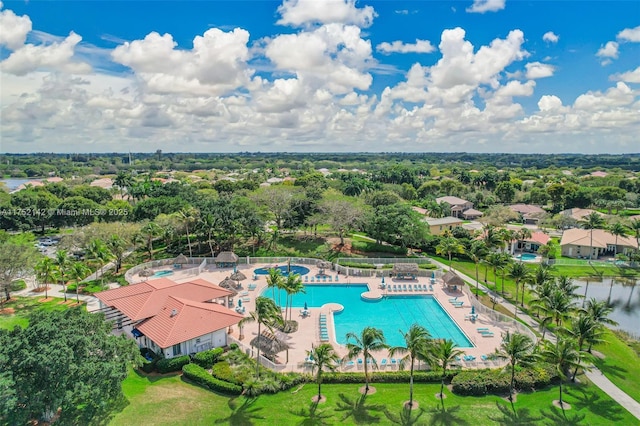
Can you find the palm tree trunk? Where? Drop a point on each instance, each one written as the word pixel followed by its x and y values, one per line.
pixel 513 378
pixel 411 385
pixel 258 355
pixel 561 403
pixel 366 375
pixel 477 283
pixel 522 304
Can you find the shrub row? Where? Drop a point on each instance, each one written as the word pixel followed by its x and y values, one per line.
pixel 222 371
pixel 172 364
pixel 388 377
pixel 200 376
pixel 150 360
pixel 206 359
pixel 427 266
pixel 380 248
pixel 483 382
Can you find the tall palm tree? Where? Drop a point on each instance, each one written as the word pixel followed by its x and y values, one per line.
pixel 449 246
pixel 267 314
pixel 416 342
pixel 292 285
pixel 477 252
pixel 507 236
pixel 45 273
pixel 558 306
pixel 563 355
pixel 77 272
pixel 592 221
pixel 519 272
pixel 117 246
pixel 491 237
pixel 584 330
pixel 599 312
pixel 541 293
pixel 370 340
pixel 188 217
pixel 505 261
pixel 618 230
pixel 149 232
pixel 98 252
pixel 635 225
pixel 324 357
pixel 518 349
pixel 442 353
pixel 523 233
pixel 275 280
pixel 62 261
pixel 565 284
pixel 494 260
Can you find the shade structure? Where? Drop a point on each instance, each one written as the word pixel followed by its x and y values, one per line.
pixel 238 276
pixel 383 279
pixel 473 310
pixel 269 343
pixel 146 272
pixel 181 259
pixel 227 283
pixel 306 307
pixel 239 303
pixel 433 274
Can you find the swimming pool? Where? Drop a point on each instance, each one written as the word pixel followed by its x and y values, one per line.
pixel 284 269
pixel 389 314
pixel 526 256
pixel 162 273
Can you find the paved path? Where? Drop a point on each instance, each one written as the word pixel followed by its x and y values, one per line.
pixel 55 290
pixel 595 375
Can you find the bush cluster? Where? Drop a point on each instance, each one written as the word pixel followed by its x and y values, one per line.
pixel 222 371
pixel 206 359
pixel 150 360
pixel 483 382
pixel 200 376
pixel 17 285
pixel 365 246
pixel 172 364
pixel 427 266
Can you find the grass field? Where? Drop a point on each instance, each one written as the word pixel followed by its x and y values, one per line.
pixel 621 364
pixel 25 305
pixel 171 401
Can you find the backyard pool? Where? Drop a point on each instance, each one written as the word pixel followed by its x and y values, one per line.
pixel 284 269
pixel 162 273
pixel 526 256
pixel 389 314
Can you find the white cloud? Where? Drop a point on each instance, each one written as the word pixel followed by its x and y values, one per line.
pixel 482 6
pixel 420 46
pixel 215 65
pixel 550 37
pixel 539 70
pixel 608 51
pixel 54 56
pixel 630 34
pixel 618 96
pixel 627 77
pixel 14 29
pixel 300 13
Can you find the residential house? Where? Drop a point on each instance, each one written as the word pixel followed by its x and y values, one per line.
pixel 171 318
pixel 582 243
pixel 437 226
pixel 529 214
pixel 458 205
pixel 578 214
pixel 533 243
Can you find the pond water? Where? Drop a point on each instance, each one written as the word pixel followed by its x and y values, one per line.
pixel 13 183
pixel 621 294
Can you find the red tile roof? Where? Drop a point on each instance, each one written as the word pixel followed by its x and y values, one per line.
pixel 181 319
pixel 146 299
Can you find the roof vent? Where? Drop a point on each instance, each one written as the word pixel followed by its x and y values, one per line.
pixel 174 312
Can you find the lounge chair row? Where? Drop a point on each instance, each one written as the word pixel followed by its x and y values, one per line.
pixel 383 362
pixel 252 286
pixel 485 332
pixel 409 287
pixel 324 332
pixel 322 279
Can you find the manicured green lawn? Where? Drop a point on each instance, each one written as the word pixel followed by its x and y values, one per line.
pixel 24 305
pixel 171 401
pixel 621 365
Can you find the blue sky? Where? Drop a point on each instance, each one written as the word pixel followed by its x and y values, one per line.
pixel 313 75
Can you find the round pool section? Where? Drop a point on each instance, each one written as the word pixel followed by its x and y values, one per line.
pixel 284 270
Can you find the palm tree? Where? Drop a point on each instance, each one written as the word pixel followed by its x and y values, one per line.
pixel 416 342
pixel 541 293
pixel 442 353
pixel 275 280
pixel 558 306
pixel 635 225
pixel 77 272
pixel 599 312
pixel 150 231
pixel 449 245
pixel 563 354
pixel 519 272
pixel 592 221
pixel 45 273
pixel 518 349
pixel 505 261
pixel 584 330
pixel 292 286
pixel 507 236
pixel 370 340
pixel 267 314
pixel 494 260
pixel 491 237
pixel 98 252
pixel 117 246
pixel 62 261
pixel 566 285
pixel 618 230
pixel 477 252
pixel 123 181
pixel 188 216
pixel 324 356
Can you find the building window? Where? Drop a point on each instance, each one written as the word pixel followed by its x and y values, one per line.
pixel 197 340
pixel 177 349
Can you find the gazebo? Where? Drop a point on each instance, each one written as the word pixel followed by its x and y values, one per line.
pixel 180 260
pixel 238 276
pixel 270 344
pixel 452 281
pixel 226 259
pixel 322 266
pixel 406 271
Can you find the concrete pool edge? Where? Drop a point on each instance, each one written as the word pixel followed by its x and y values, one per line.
pixel 473 344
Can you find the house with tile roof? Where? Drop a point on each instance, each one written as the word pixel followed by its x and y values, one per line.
pixel 529 213
pixel 581 243
pixel 169 317
pixel 438 226
pixel 458 205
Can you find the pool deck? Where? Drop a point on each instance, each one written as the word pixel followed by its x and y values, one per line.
pixel 308 333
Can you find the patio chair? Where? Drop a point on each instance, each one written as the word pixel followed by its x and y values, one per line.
pixel 337 277
pixel 484 357
pixel 246 299
pixel 312 279
pixel 481 329
pixel 394 361
pixel 243 293
pixel 306 278
pixel 350 364
pixel 330 278
pixel 453 299
pixel 383 363
pixel 252 286
pixel 430 287
pixel 487 334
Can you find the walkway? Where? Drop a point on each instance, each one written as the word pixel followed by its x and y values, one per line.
pixel 595 375
pixel 55 290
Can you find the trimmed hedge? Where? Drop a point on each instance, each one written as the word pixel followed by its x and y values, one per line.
pixel 427 266
pixel 148 365
pixel 199 375
pixel 483 382
pixel 206 359
pixel 380 248
pixel 172 364
pixel 389 377
pixel 222 371
pixel 17 285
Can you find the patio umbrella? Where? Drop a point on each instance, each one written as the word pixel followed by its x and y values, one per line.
pixel 306 308
pixel 269 343
pixel 433 274
pixel 473 310
pixel 238 276
pixel 239 303
pixel 383 279
pixel 227 283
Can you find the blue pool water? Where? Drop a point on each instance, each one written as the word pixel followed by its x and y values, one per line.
pixel 284 269
pixel 527 256
pixel 162 273
pixel 389 314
